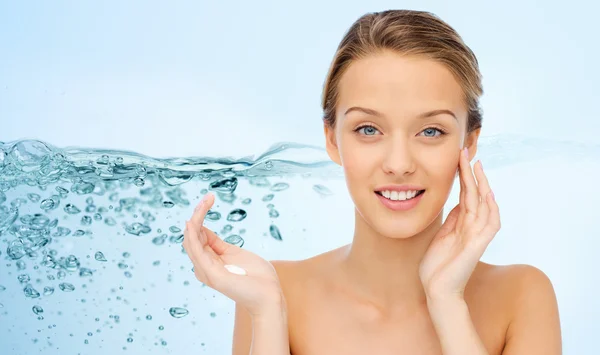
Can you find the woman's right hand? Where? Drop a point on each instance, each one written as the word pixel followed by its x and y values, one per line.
pixel 259 291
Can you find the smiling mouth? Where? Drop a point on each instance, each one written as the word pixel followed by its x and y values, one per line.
pixel 419 193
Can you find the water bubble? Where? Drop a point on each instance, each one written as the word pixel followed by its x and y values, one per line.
pixel 90 208
pixel 109 221
pixel 83 272
pixel 48 290
pixel 32 197
pixel 31 292
pixel 259 181
pixel 37 310
pixel 86 220
pixel 49 204
pixel 273 213
pixel 274 231
pixel 178 312
pixel 82 188
pixel 21 265
pixel 66 287
pixel 247 201
pixel 322 190
pixel 137 228
pixel 29 155
pixel 213 314
pixel 71 209
pixel 227 185
pixel 236 215
pixel 176 239
pixel 213 215
pixel 280 186
pixel 149 317
pixel 168 204
pixel 159 240
pixel 70 263
pixel 78 233
pixel 174 229
pixel 62 191
pixel 2 288
pixel 268 197
pixel 235 240
pixel 24 278
pixel 99 256
pixel 226 229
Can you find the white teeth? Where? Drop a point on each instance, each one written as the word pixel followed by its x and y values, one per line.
pixel 399 195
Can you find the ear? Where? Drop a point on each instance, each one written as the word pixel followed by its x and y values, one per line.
pixel 331 144
pixel 471 142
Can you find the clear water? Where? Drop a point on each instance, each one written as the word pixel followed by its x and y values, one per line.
pixel 91 258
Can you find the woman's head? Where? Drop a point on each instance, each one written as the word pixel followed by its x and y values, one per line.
pixel 400 100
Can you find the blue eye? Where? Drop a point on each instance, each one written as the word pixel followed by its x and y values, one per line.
pixel 432 130
pixel 369 130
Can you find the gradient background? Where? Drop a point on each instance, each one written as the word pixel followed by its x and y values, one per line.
pixel 189 78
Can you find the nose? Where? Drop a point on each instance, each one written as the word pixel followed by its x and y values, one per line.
pixel 399 159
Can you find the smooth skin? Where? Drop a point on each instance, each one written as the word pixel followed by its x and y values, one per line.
pixel 408 283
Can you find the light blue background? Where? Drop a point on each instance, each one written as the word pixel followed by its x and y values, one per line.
pixel 200 78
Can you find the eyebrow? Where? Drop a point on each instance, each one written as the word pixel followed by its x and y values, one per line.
pixel 372 112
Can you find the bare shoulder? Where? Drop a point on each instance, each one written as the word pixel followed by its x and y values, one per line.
pixel 296 274
pixel 529 303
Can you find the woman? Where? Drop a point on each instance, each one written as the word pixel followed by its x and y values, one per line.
pixel 402 117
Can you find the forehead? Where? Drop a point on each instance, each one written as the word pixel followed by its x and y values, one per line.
pixel 400 85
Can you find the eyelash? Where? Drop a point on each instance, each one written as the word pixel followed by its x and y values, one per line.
pixel 443 132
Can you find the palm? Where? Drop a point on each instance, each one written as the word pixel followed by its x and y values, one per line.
pixel 448 263
pixel 257 290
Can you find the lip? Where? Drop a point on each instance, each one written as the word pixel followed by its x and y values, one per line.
pixel 399 188
pixel 400 205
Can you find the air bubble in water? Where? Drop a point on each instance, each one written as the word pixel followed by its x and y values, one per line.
pixel 71 209
pixel 235 240
pixel 213 215
pixel 275 233
pixel 227 185
pixel 280 186
pixel 178 312
pixel 237 215
pixel 99 256
pixel 66 287
pixel 322 190
pixel 37 309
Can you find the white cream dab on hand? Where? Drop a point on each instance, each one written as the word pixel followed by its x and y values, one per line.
pixel 234 269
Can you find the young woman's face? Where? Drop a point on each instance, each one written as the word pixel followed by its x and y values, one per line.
pixel 400 120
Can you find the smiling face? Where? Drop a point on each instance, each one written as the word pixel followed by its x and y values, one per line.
pixel 400 120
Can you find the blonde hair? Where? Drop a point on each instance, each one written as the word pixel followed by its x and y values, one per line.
pixel 406 32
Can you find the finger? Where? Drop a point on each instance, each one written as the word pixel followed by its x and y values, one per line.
pixel 202 209
pixel 210 269
pixel 482 181
pixel 471 193
pixel 483 189
pixel 450 221
pixel 193 248
pixel 493 224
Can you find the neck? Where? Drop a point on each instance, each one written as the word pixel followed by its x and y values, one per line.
pixel 385 270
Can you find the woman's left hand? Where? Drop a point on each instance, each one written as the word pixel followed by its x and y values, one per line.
pixel 469 228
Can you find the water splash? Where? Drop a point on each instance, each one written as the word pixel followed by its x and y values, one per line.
pixel 52 199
